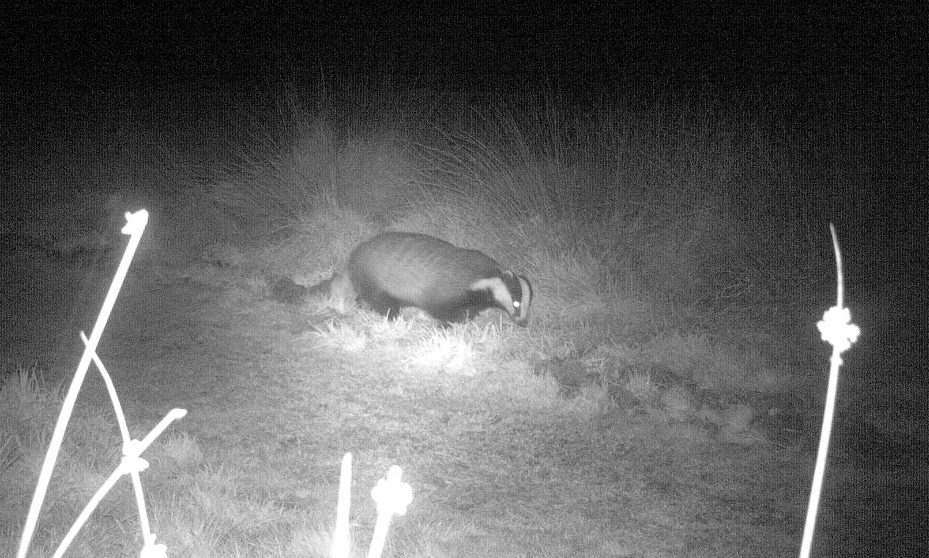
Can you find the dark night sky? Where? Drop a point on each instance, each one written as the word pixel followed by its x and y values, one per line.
pixel 72 45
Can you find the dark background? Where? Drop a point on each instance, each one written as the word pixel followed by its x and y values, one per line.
pixel 859 66
pixel 740 45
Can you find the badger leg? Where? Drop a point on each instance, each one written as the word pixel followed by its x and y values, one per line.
pixel 451 315
pixel 385 305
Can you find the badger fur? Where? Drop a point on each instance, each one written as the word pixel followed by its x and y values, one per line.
pixel 394 270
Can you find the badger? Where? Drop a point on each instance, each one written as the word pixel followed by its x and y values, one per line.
pixel 394 270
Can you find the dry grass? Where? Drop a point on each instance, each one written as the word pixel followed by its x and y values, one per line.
pixel 500 463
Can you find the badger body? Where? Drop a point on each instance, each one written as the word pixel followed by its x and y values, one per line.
pixel 394 270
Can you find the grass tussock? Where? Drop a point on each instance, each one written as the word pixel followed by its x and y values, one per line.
pixel 630 224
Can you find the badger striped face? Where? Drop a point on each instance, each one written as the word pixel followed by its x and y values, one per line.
pixel 512 293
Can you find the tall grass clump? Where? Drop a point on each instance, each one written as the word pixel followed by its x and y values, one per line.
pixel 308 180
pixel 687 213
pixel 312 153
pixel 693 202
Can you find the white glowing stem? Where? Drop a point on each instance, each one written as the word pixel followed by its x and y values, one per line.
pixel 392 497
pixel 135 225
pixel 341 543
pixel 837 330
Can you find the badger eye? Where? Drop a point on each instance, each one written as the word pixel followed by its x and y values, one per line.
pixel 516 304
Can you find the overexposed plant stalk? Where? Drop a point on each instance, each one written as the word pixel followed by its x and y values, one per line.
pixel 836 329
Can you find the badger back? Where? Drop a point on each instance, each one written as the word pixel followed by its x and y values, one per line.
pixel 418 269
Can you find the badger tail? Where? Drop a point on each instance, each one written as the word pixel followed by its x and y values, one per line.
pixel 287 291
pixel 338 288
